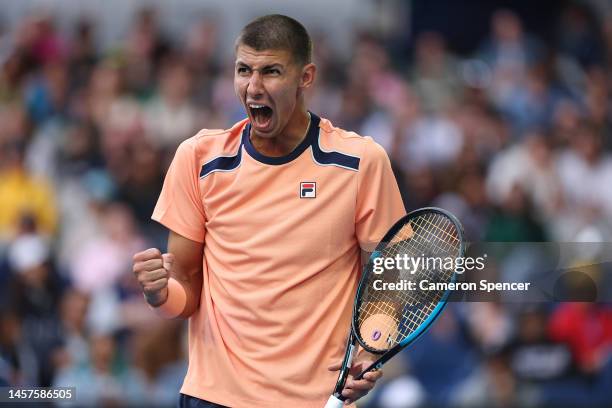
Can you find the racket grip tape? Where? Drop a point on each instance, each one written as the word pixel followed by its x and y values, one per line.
pixel 334 402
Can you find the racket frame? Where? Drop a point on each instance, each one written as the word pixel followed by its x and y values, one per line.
pixel 354 337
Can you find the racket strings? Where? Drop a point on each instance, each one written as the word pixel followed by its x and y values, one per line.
pixel 386 317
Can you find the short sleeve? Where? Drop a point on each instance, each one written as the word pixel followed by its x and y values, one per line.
pixel 180 206
pixel 379 203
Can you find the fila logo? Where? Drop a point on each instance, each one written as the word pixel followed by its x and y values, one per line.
pixel 308 189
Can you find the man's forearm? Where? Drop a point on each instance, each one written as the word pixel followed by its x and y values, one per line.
pixel 186 270
pixel 192 289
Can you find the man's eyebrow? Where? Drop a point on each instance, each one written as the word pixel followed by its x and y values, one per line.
pixel 276 65
pixel 265 67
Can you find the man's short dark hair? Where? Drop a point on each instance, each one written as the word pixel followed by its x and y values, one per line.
pixel 278 32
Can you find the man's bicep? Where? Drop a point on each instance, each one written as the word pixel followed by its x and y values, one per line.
pixel 188 251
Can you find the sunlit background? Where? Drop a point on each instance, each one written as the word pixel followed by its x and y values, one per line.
pixel 495 110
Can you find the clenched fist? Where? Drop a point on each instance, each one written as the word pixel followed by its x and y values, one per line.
pixel 152 269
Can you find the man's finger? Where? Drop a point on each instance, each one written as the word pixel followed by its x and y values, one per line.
pixel 147 254
pixel 151 276
pixel 361 385
pixel 373 375
pixel 155 286
pixel 352 395
pixel 150 265
pixel 335 366
pixel 168 260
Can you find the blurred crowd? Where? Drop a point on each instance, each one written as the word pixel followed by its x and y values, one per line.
pixel 513 138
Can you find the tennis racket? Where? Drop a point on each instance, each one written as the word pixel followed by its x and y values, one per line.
pixel 386 321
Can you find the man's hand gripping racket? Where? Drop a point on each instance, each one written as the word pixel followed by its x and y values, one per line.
pixel 386 321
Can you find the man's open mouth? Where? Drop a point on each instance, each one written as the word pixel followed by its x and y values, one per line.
pixel 260 114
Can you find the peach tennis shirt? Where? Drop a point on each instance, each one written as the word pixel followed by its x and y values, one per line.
pixel 282 239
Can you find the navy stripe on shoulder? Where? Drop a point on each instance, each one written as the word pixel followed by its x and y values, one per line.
pixel 332 158
pixel 222 163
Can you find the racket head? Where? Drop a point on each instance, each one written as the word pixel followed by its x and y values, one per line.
pixel 384 320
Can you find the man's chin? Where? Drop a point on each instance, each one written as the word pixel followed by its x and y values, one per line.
pixel 267 132
pixel 264 135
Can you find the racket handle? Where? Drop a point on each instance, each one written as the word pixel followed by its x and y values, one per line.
pixel 334 402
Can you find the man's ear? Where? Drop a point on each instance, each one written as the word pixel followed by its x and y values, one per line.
pixel 308 75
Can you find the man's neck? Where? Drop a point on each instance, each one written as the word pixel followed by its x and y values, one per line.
pixel 283 144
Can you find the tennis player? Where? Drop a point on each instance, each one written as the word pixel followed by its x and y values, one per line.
pixel 266 223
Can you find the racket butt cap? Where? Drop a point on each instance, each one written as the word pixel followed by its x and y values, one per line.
pixel 334 402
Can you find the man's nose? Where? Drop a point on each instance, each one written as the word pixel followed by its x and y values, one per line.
pixel 255 87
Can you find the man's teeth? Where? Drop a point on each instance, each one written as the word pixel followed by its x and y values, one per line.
pixel 254 106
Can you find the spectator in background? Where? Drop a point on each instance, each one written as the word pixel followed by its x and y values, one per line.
pixel 327 96
pixel 510 53
pixel 113 111
pixel 434 76
pixel 531 165
pixel 82 199
pixel 79 150
pixel 38 41
pixel 100 263
pixel 22 194
pixel 141 179
pixel 171 115
pixel 484 130
pixel 584 169
pixel 469 203
pixel 531 104
pixel 493 385
pixel 355 106
pixel 159 360
pixel 82 54
pixel 144 50
pixel 431 140
pixel 104 380
pixel 566 118
pixel 434 141
pixel 509 50
pixel 587 329
pixel 35 291
pixel 533 355
pixel 72 347
pixel 201 57
pixel 443 358
pixel 579 37
pixel 513 220
pixel 597 97
pixel 46 95
pixel 489 325
pixel 18 363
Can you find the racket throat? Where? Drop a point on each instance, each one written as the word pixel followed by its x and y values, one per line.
pixel 349 359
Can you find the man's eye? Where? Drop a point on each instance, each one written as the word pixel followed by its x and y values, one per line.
pixel 273 71
pixel 242 70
